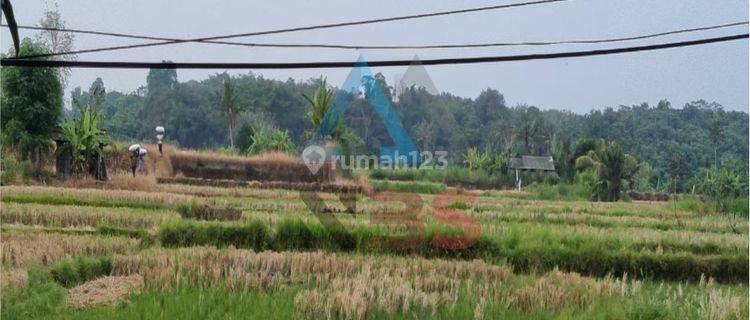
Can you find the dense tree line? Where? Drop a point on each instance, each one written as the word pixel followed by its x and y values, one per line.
pixel 673 143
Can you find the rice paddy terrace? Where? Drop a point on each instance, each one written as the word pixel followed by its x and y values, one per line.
pixel 126 250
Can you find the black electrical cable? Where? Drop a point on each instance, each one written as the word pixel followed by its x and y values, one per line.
pixel 339 64
pixel 387 47
pixel 296 29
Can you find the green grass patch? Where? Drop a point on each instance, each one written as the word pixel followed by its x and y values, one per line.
pixel 185 233
pixel 453 176
pixel 72 272
pixel 409 186
pixel 55 199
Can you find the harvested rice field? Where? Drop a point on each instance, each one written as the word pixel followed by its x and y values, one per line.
pixel 202 251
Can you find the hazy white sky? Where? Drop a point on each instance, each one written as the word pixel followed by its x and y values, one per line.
pixel 715 72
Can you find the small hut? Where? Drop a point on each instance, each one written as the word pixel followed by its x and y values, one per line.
pixel 530 163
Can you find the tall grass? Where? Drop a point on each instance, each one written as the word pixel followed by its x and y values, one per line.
pixel 525 251
pixel 71 272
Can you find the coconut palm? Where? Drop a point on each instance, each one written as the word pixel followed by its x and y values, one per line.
pixel 320 105
pixel 229 106
pixel 613 167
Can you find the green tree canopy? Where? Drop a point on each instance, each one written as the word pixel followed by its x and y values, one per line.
pixel 31 103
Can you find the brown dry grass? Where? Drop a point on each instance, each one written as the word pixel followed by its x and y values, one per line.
pixel 104 194
pixel 558 290
pixel 245 269
pixel 353 287
pixel 269 158
pixel 25 249
pixel 63 216
pixel 13 278
pixel 104 291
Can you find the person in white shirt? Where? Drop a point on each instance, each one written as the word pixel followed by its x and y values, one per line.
pixel 159 137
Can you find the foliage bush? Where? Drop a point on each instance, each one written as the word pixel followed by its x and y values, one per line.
pixel 12 170
pixel 583 188
pixel 32 103
pixel 722 187
pixel 266 140
pixel 72 272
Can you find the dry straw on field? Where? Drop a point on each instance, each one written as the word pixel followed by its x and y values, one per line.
pixel 265 167
pixel 63 216
pixel 24 249
pixel 301 186
pixel 244 269
pixel 104 291
pixel 353 287
pixel 94 194
pixel 558 290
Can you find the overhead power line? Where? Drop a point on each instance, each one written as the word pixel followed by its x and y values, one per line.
pixel 394 47
pixel 349 64
pixel 304 28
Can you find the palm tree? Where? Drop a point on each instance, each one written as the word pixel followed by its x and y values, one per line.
pixel 320 105
pixel 613 167
pixel 329 126
pixel 229 107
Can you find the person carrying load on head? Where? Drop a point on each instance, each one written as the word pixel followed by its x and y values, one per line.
pixel 136 158
pixel 159 137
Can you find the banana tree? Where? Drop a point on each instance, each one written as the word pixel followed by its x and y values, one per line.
pixel 84 137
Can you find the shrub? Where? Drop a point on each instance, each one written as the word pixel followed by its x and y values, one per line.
pixel 691 204
pixel 722 187
pixel 265 140
pixel 13 171
pixel 71 272
pixel 292 234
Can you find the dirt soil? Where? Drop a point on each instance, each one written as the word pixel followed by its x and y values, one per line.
pixel 104 291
